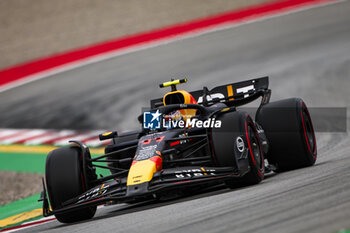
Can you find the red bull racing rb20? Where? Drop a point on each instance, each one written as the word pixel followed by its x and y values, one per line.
pixel 187 141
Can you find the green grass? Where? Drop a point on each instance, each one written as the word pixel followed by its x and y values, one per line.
pixel 17 207
pixel 30 162
pixel 20 162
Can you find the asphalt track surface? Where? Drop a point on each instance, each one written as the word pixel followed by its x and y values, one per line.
pixel 306 54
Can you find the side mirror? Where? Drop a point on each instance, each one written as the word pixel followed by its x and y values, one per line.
pixel 108 135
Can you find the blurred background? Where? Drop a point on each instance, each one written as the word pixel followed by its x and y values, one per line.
pixel 34 29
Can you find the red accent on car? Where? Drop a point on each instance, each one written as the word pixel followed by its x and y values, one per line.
pixel 175 143
pixel 159 139
pixel 158 161
pixel 147 141
pixel 133 162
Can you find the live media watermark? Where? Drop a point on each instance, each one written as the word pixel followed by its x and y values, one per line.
pixel 332 119
pixel 155 120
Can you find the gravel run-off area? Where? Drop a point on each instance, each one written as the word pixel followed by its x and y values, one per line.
pixel 17 185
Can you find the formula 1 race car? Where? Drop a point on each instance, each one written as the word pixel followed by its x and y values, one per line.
pixel 188 140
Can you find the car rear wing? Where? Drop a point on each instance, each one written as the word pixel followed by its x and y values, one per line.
pixel 234 94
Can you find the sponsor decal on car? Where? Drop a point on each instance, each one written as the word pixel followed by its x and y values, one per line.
pixel 240 144
pixel 190 173
pixel 146 152
pixel 99 191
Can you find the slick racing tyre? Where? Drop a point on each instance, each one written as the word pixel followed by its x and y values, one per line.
pixel 238 128
pixel 288 127
pixel 64 180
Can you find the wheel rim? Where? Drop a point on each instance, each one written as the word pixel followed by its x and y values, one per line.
pixel 309 132
pixel 255 148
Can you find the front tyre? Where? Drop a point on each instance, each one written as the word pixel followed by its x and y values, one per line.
pixel 238 125
pixel 64 180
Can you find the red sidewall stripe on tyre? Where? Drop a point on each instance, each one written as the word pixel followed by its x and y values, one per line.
pixel 20 74
pixel 312 128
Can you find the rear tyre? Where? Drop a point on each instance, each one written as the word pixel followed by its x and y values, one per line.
pixel 64 180
pixel 238 127
pixel 288 127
